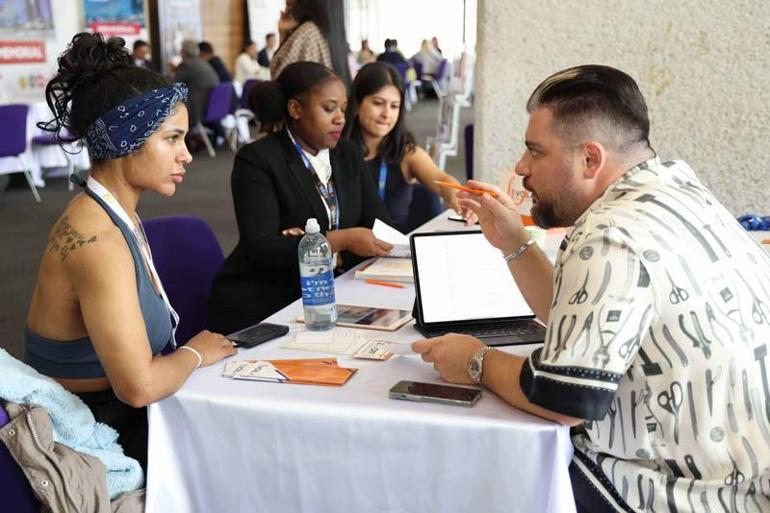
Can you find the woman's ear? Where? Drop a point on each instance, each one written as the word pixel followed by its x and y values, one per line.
pixel 295 109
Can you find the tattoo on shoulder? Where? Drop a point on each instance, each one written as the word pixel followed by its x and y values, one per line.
pixel 66 239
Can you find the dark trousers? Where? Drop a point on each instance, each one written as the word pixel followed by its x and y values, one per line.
pixel 130 423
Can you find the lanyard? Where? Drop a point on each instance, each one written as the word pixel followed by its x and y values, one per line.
pixel 141 239
pixel 383 178
pixel 327 192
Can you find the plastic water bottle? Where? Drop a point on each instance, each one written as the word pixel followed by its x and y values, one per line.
pixel 316 271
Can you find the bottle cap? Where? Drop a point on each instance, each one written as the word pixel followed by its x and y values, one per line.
pixel 312 226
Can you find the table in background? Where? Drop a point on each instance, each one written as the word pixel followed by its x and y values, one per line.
pixel 39 157
pixel 228 445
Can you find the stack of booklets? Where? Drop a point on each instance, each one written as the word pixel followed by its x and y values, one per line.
pixel 304 371
pixel 388 269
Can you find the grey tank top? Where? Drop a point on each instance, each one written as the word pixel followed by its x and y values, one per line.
pixel 77 358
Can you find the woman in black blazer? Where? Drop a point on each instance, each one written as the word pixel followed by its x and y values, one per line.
pixel 282 180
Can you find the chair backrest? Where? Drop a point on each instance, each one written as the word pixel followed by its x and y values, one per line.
pixel 425 206
pixel 402 69
pixel 441 70
pixel 417 65
pixel 15 491
pixel 218 106
pixel 244 102
pixel 187 256
pixel 13 129
pixel 469 151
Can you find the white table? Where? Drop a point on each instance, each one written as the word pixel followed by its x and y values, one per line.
pixel 39 157
pixel 226 445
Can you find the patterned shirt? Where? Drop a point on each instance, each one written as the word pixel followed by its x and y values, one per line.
pixel 306 43
pixel 658 336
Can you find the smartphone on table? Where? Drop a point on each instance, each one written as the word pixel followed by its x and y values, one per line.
pixel 258 334
pixel 435 393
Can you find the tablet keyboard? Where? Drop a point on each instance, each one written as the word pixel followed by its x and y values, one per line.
pixel 495 329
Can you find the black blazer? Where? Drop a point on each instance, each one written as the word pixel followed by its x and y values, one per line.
pixel 272 191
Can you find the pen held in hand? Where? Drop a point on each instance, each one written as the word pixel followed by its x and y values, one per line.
pixel 459 187
pixel 385 284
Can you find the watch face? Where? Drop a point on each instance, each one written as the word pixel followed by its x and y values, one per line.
pixel 473 369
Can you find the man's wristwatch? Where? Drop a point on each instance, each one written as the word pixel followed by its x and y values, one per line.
pixel 476 364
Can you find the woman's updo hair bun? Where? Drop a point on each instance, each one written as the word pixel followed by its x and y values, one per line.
pixel 95 74
pixel 266 101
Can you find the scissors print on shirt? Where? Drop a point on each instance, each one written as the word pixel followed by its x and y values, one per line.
pixel 581 295
pixel 671 401
pixel 735 477
pixel 677 294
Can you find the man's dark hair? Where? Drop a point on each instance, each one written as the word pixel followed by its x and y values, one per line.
pixel 269 35
pixel 140 43
pixel 205 47
pixel 595 97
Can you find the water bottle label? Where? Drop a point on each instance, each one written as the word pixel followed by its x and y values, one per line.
pixel 318 289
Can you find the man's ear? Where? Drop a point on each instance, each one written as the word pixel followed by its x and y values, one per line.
pixel 295 109
pixel 594 158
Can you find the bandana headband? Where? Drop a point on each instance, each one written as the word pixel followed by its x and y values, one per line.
pixel 124 128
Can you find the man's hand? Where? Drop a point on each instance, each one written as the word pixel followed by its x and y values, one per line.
pixel 450 355
pixel 499 220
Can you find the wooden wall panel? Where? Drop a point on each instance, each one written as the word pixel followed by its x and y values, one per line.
pixel 225 26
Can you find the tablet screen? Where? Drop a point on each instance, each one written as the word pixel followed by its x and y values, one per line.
pixel 462 277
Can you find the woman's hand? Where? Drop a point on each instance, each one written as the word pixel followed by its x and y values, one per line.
pixel 212 347
pixel 362 242
pixel 497 215
pixel 452 198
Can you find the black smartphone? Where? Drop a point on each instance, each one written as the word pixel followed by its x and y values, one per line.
pixel 258 334
pixel 458 218
pixel 435 393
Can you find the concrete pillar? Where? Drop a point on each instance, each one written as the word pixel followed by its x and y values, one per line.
pixel 703 67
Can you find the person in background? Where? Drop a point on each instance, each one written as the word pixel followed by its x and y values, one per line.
pixel 376 123
pixel 246 65
pixel 140 56
pixel 365 54
pixel 199 77
pixel 265 55
pixel 303 28
pixel 392 55
pixel 303 171
pixel 429 58
pixel 206 52
pixel 99 317
pixel 656 351
pixel 436 47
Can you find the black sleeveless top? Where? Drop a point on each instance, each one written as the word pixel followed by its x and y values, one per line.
pixel 398 193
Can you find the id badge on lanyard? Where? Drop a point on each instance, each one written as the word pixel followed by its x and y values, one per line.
pixel 383 179
pixel 327 192
pixel 141 241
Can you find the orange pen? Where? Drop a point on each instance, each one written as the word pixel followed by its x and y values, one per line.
pixel 386 284
pixel 459 187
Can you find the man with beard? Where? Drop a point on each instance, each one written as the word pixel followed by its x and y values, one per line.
pixel 657 310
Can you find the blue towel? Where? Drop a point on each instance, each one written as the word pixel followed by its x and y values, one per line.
pixel 73 423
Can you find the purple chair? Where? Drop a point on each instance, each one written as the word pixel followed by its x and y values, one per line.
pixel 417 65
pixel 441 70
pixel 425 206
pixel 187 256
pixel 13 138
pixel 50 139
pixel 217 108
pixel 15 491
pixel 469 151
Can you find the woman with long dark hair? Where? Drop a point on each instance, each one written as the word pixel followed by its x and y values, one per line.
pixel 376 124
pixel 312 30
pixel 302 171
pixel 99 317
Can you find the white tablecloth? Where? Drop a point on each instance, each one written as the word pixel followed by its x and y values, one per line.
pixel 222 445
pixel 39 157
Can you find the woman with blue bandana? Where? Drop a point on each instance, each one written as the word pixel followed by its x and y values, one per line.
pixel 304 170
pixel 99 317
